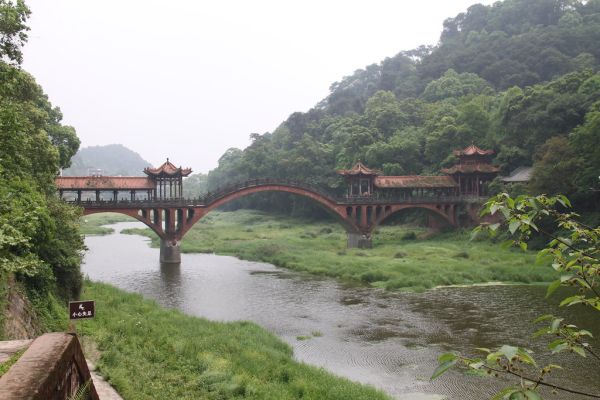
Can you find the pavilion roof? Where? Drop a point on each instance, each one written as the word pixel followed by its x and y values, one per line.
pixel 473 150
pixel 104 183
pixel 358 169
pixel 168 169
pixel 415 181
pixel 471 168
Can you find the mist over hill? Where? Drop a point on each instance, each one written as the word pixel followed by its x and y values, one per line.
pixel 112 159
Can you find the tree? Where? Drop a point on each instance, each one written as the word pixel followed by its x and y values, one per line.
pixel 454 85
pixel 13 16
pixel 584 140
pixel 575 254
pixel 384 114
pixel 556 167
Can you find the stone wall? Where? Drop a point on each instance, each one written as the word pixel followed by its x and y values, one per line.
pixel 52 368
pixel 20 321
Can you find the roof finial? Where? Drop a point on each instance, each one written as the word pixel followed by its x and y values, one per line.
pixel 167 159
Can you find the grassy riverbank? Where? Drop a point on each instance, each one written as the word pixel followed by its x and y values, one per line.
pixel 149 352
pixel 403 257
pixel 93 224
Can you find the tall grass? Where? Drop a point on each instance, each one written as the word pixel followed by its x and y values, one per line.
pixel 149 352
pixel 93 224
pixel 423 261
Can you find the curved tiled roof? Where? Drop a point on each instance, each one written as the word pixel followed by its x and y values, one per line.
pixel 414 181
pixel 470 168
pixel 359 169
pixel 471 150
pixel 167 168
pixel 104 183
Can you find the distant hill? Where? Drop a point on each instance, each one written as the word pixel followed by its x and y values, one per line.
pixel 112 159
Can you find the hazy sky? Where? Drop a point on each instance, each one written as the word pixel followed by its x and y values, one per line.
pixel 188 79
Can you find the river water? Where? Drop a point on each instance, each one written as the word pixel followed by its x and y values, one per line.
pixel 388 340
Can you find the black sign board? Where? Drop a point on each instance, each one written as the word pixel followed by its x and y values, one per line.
pixel 81 309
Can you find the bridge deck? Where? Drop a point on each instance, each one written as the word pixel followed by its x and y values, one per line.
pixel 192 203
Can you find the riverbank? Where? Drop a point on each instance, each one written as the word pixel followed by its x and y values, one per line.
pixel 403 257
pixel 94 224
pixel 148 351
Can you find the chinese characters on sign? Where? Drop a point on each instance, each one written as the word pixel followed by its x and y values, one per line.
pixel 81 309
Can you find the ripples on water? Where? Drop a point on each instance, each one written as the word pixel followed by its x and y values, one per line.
pixel 388 340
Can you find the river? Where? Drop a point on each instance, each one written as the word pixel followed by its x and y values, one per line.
pixel 388 340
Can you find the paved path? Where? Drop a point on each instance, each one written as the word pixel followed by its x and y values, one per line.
pixel 103 388
pixel 10 347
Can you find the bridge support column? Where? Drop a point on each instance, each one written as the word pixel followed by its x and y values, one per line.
pixel 170 251
pixel 359 240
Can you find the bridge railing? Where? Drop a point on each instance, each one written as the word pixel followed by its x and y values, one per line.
pixel 230 189
pixel 210 197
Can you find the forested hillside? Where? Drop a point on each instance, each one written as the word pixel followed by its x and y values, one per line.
pixel 40 244
pixel 112 159
pixel 519 77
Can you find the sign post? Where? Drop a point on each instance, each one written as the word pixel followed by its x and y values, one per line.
pixel 82 309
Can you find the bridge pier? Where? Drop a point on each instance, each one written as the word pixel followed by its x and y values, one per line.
pixel 359 240
pixel 170 251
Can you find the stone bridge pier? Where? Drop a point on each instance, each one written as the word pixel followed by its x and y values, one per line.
pixel 359 240
pixel 170 251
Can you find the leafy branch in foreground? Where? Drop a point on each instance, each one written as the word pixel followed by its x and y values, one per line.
pixel 575 253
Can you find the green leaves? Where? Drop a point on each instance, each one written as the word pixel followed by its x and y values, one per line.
pixel 513 226
pixel 575 254
pixel 552 287
pixel 447 361
pixel 39 237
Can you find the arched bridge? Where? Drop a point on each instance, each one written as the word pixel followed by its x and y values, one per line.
pixel 172 218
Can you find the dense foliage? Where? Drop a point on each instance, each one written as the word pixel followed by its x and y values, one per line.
pixel 112 159
pixel 39 240
pixel 517 76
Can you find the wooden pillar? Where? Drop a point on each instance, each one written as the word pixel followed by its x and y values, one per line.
pixel 79 195
pixel 115 195
pixel 170 220
pixel 97 195
pixel 158 218
pixel 363 216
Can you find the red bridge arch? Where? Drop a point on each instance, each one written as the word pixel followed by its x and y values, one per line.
pixel 171 219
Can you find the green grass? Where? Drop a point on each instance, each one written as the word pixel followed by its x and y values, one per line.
pixel 5 366
pixel 92 224
pixel 399 259
pixel 149 352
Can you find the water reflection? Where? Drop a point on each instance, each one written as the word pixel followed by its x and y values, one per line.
pixel 389 340
pixel 170 277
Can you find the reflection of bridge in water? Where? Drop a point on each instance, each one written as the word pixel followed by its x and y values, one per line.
pixel 370 199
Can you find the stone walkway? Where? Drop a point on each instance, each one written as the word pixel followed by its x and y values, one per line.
pixel 103 388
pixel 10 347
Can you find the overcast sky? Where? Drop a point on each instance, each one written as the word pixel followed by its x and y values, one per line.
pixel 188 79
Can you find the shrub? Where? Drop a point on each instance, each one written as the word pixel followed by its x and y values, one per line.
pixel 409 236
